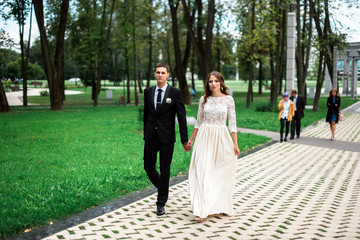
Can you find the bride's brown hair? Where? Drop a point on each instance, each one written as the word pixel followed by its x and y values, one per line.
pixel 223 87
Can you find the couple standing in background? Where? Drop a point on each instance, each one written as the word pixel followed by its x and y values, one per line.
pixel 291 111
pixel 213 161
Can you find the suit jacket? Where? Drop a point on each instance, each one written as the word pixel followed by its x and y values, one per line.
pixel 300 105
pixel 332 108
pixel 162 119
pixel 291 110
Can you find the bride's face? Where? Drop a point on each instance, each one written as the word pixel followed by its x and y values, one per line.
pixel 214 84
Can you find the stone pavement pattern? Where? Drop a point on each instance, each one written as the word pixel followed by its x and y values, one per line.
pixel 285 191
pixel 345 130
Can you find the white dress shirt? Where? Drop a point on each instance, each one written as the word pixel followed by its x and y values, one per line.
pixel 162 93
pixel 286 108
pixel 294 100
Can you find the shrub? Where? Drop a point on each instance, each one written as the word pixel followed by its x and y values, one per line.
pixel 7 83
pixel 44 93
pixel 265 107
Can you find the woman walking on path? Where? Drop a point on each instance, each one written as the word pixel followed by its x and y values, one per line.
pixel 332 116
pixel 213 160
pixel 287 111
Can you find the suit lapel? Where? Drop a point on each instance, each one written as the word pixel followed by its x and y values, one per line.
pixel 152 98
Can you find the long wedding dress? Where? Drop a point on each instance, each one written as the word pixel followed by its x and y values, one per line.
pixel 213 161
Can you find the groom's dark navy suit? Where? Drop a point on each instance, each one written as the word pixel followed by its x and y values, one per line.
pixel 159 136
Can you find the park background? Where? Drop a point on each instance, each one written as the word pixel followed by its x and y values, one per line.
pixel 88 150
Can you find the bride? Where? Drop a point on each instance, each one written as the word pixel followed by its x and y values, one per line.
pixel 213 160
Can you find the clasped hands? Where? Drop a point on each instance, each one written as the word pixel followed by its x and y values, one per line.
pixel 188 146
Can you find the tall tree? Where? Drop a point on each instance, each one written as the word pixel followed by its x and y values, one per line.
pixel 304 39
pixel 5 42
pixel 180 63
pixel 103 44
pixel 149 69
pixel 54 71
pixel 327 40
pixel 252 53
pixel 277 53
pixel 134 50
pixel 19 9
pixel 202 40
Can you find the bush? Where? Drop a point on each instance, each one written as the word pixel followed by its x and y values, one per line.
pixel 44 93
pixel 265 107
pixel 7 83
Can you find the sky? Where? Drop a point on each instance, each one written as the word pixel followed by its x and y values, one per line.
pixel 344 18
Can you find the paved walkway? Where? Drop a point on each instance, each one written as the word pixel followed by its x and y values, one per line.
pixel 16 98
pixel 308 188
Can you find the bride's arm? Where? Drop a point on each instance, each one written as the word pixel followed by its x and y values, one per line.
pixel 236 146
pixel 193 136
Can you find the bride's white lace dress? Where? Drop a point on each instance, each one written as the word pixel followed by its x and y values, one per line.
pixel 213 161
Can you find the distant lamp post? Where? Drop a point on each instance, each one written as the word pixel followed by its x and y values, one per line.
pixel 290 44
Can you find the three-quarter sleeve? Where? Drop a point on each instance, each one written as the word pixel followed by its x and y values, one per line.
pixel 231 115
pixel 200 115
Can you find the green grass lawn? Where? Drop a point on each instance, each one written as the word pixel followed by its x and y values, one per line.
pixel 54 164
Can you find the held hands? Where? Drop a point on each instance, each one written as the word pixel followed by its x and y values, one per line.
pixel 187 146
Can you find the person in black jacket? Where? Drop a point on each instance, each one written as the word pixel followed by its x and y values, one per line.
pixel 299 102
pixel 332 116
pixel 161 103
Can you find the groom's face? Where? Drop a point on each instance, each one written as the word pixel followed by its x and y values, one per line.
pixel 161 74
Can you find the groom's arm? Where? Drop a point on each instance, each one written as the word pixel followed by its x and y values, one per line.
pixel 181 115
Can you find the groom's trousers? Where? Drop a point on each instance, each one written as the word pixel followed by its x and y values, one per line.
pixel 161 181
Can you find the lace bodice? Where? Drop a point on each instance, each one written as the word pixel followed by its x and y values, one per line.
pixel 215 112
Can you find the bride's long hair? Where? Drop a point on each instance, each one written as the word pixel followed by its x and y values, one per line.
pixel 223 87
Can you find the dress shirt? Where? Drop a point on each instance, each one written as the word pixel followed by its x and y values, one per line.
pixel 162 93
pixel 294 100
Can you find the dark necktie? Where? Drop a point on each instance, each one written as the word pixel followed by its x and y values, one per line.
pixel 158 101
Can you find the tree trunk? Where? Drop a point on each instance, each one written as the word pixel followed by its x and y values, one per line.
pixel 319 82
pixel 24 52
pixel 302 56
pixel 261 76
pixel 149 70
pixel 127 73
pixel 252 53
pixel 279 55
pixel 202 44
pixel 4 105
pixel 192 69
pixel 102 46
pixel 324 45
pixel 134 53
pixel 53 72
pixel 179 67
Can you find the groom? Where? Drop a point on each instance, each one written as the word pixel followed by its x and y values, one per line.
pixel 161 103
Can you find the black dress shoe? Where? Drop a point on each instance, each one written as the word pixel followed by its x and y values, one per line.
pixel 281 140
pixel 298 136
pixel 285 139
pixel 292 138
pixel 160 210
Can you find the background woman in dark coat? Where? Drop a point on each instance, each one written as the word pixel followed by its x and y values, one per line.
pixel 332 116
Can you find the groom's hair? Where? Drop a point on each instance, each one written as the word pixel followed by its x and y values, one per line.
pixel 160 64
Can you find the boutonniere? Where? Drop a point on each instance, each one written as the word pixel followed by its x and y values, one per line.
pixel 168 100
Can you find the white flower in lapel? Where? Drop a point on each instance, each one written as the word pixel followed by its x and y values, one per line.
pixel 168 100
